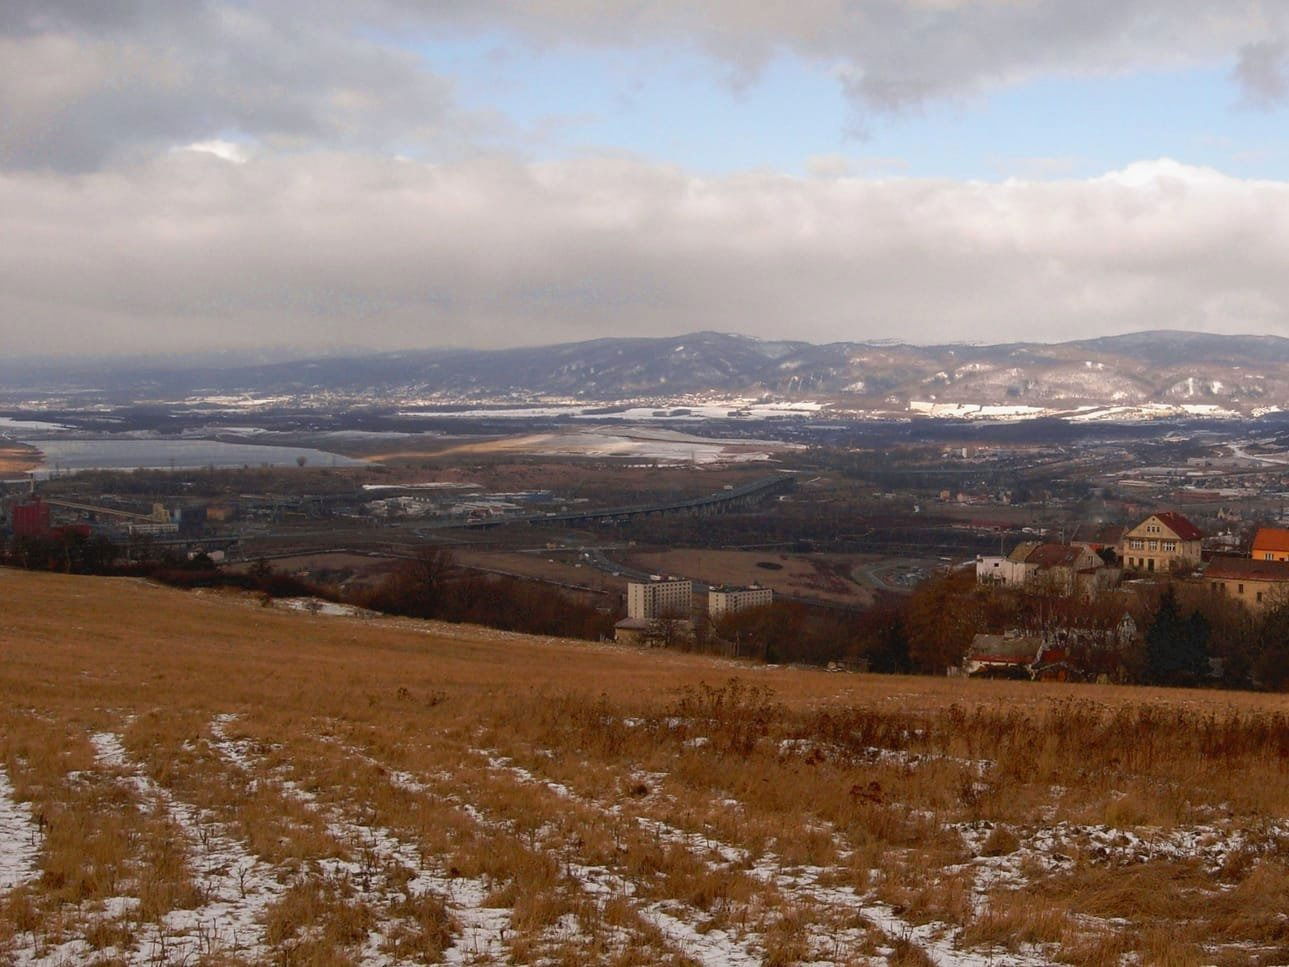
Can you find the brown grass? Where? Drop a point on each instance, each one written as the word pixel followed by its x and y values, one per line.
pixel 589 789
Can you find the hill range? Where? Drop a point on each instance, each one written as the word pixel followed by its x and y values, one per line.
pixel 1137 374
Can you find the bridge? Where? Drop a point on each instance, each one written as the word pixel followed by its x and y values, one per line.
pixel 159 514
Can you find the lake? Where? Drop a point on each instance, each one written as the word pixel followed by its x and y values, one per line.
pixel 66 455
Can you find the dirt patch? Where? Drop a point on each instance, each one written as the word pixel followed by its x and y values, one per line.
pixel 560 567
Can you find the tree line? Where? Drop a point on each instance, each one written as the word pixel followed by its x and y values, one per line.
pixel 431 586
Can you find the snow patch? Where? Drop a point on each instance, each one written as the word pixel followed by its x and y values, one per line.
pixel 238 888
pixel 20 839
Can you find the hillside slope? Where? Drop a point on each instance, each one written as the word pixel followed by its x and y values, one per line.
pixel 191 777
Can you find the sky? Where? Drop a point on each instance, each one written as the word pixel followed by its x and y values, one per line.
pixel 388 174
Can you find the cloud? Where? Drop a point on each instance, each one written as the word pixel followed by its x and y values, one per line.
pixel 189 250
pixel 84 85
pixel 895 55
pixel 1263 72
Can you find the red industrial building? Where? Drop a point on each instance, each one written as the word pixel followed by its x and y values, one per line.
pixel 31 519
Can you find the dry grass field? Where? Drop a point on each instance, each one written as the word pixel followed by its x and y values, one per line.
pixel 563 567
pixel 829 577
pixel 195 779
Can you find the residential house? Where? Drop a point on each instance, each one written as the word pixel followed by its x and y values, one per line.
pixel 1064 568
pixel 991 569
pixel 1161 543
pixel 633 631
pixel 1271 544
pixel 1097 537
pixel 1256 583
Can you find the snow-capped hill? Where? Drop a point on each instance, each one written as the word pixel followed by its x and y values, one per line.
pixel 1153 372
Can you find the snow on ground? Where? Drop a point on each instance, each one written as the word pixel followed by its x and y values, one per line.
pixel 11 427
pixel 237 886
pixel 321 606
pixel 431 485
pixel 19 839
pixel 977 411
pixel 800 885
pixel 873 754
pixel 637 444
pixel 692 841
pixel 678 409
pixel 1211 846
pixel 481 929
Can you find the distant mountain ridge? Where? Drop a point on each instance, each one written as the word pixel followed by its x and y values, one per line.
pixel 1196 370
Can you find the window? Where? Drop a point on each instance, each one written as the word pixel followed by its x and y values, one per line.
pixel 1268 556
pixel 1259 597
pixel 1241 589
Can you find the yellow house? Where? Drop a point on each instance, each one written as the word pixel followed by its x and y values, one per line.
pixel 1271 544
pixel 1255 583
pixel 1161 542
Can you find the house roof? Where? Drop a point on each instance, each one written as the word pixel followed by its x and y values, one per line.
pixel 1271 539
pixel 634 624
pixel 1179 525
pixel 999 648
pixel 1020 553
pixel 1106 534
pixel 1055 555
pixel 1246 569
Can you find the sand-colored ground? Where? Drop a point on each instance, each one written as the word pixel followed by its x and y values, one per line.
pixel 192 777
pixel 18 457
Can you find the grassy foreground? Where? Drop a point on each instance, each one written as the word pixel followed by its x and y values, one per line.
pixel 193 778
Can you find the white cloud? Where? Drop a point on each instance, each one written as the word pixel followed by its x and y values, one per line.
pixel 83 85
pixel 228 150
pixel 189 250
pixel 892 55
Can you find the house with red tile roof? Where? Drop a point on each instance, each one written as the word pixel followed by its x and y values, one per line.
pixel 1163 542
pixel 1064 568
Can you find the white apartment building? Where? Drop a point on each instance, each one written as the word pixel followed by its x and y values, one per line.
pixel 725 600
pixel 660 598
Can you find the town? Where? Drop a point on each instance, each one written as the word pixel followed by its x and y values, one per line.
pixel 1055 558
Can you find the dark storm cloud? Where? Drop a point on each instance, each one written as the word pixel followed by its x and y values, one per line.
pixel 1263 72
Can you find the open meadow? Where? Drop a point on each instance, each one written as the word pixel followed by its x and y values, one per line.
pixel 192 778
